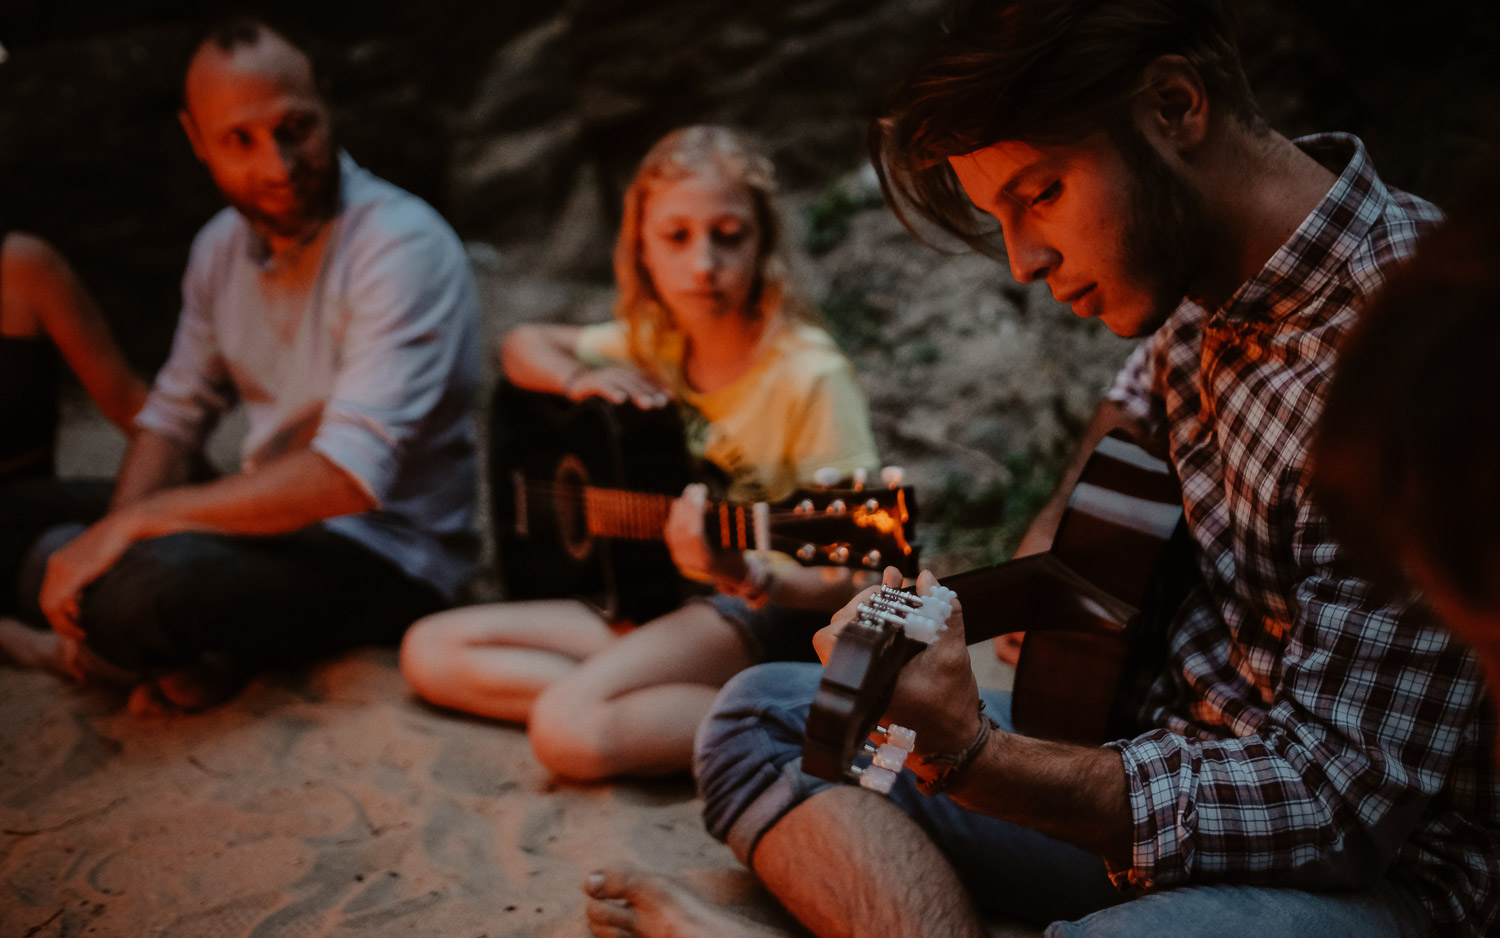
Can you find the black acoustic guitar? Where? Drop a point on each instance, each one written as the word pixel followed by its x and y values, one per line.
pixel 1094 608
pixel 580 493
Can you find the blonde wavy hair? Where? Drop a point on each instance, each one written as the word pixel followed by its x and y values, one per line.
pixel 681 154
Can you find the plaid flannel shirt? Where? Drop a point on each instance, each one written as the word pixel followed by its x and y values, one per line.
pixel 1313 732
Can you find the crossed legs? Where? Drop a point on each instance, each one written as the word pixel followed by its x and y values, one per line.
pixel 597 704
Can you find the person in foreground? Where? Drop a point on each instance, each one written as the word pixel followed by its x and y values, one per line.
pixel 340 311
pixel 1313 756
pixel 1407 454
pixel 706 319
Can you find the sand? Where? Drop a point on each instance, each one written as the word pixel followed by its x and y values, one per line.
pixel 324 802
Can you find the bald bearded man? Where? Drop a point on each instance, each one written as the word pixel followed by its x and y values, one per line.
pixel 341 313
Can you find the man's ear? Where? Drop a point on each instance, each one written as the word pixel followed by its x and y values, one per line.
pixel 191 129
pixel 1172 106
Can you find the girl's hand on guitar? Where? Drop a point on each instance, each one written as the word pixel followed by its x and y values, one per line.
pixel 689 547
pixel 617 384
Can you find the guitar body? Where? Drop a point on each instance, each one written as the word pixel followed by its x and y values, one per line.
pixel 1122 532
pixel 542 536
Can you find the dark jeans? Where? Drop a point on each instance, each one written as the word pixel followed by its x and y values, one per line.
pixel 257 601
pixel 29 508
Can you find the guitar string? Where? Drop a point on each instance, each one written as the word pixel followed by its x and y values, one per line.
pixel 540 492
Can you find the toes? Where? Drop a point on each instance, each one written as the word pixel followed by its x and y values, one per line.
pixel 622 882
pixel 610 918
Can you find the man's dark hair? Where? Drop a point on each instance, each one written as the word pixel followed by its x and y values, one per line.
pixel 1408 447
pixel 234 30
pixel 1040 72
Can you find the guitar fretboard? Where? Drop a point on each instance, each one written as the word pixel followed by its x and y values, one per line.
pixel 642 516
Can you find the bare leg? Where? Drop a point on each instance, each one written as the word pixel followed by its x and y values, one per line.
pixel 633 708
pixel 845 862
pixel 26 647
pixel 44 649
pixel 494 660
pixel 848 862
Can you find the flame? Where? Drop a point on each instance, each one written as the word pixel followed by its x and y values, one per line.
pixel 891 523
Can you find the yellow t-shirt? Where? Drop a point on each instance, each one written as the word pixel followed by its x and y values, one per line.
pixel 799 408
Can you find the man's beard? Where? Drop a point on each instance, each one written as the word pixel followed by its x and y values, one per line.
pixel 1167 236
pixel 317 191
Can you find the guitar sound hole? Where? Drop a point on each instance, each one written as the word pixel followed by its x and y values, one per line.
pixel 571 508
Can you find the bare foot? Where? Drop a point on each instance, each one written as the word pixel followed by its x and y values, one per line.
pixel 627 902
pixel 189 690
pixel 26 647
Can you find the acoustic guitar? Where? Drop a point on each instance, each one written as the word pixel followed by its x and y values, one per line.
pixel 580 491
pixel 1094 607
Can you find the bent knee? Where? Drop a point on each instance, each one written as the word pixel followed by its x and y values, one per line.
pixel 429 655
pixel 570 737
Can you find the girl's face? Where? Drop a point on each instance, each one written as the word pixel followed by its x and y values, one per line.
pixel 700 245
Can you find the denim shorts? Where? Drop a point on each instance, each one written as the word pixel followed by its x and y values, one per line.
pixel 772 632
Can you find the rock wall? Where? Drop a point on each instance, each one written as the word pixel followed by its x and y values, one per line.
pixel 522 122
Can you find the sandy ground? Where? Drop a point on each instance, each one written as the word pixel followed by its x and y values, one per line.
pixel 320 803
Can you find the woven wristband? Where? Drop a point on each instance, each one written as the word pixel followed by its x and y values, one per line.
pixel 955 764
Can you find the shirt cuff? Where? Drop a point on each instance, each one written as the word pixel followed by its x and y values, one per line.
pixel 361 447
pixel 1161 778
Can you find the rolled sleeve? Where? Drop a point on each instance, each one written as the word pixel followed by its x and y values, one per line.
pixel 834 428
pixel 409 303
pixel 193 389
pixel 602 343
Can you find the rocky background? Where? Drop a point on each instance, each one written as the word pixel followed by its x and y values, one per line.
pixel 522 123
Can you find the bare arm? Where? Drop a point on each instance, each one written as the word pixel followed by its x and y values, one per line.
pixel 47 295
pixel 540 357
pixel 152 462
pixel 289 493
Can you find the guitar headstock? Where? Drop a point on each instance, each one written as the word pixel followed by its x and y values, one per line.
pixel 843 521
pixel 889 628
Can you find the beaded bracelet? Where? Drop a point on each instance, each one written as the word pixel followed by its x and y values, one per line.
pixel 954 764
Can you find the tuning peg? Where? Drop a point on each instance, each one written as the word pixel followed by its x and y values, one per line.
pixel 839 553
pixel 872 559
pixel 898 735
pixel 889 757
pixel 805 507
pixel 872 505
pixel 893 476
pixel 836 507
pixel 807 553
pixel 876 779
pixel 920 628
pixel 828 476
pixel 860 477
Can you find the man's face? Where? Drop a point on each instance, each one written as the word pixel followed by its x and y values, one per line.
pixel 257 122
pixel 1116 239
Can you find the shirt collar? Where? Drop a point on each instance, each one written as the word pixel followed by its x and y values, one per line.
pixel 1320 247
pixel 260 251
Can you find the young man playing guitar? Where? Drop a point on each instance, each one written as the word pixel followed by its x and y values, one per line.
pixel 1313 757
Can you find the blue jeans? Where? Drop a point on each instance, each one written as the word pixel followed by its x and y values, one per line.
pixel 747 759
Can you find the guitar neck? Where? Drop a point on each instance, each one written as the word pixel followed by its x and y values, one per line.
pixel 622 514
pixel 1035 593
